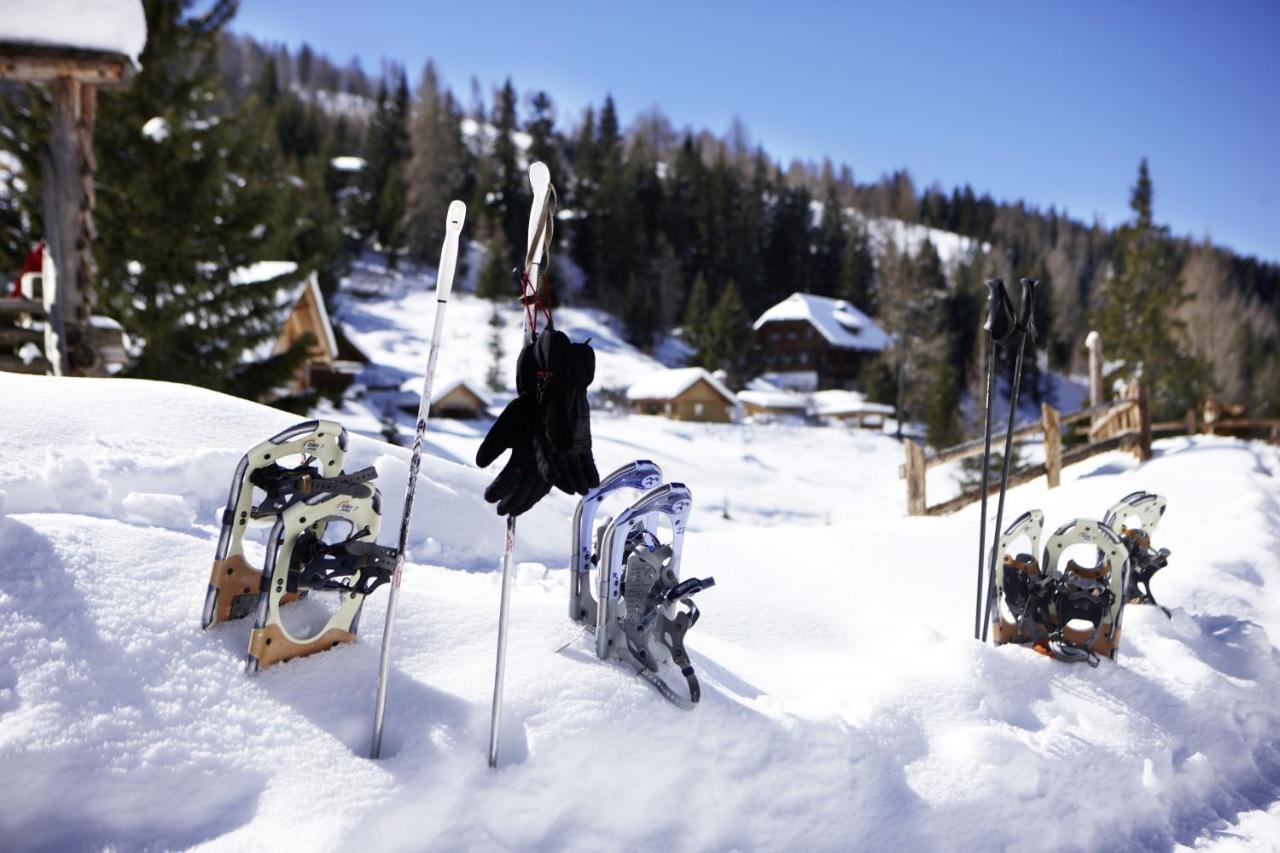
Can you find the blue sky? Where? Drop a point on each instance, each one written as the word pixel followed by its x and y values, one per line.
pixel 1054 104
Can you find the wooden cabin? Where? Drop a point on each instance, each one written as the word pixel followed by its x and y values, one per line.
pixel 768 405
pixel 683 394
pixel 848 407
pixel 333 359
pixel 461 399
pixel 828 338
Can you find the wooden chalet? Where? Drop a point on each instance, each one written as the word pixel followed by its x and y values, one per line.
pixel 683 394
pixel 828 338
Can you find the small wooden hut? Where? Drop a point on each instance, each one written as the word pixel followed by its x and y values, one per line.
pixel 683 394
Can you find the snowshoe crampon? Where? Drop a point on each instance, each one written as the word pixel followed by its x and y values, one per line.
pixel 641 609
pixel 320 448
pixel 1135 517
pixel 300 560
pixel 1065 610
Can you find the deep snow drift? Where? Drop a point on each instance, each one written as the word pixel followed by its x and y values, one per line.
pixel 844 704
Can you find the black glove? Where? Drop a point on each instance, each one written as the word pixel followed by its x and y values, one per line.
pixel 562 446
pixel 519 485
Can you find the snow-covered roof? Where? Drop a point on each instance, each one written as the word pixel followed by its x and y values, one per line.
pixel 111 26
pixel 773 399
pixel 261 271
pixel 836 320
pixel 669 384
pixel 347 163
pixel 413 386
pixel 835 402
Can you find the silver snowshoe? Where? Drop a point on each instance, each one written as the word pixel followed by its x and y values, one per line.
pixel 641 609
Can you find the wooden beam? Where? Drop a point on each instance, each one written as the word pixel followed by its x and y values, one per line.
pixel 37 64
pixel 916 503
pixel 1052 445
pixel 1144 423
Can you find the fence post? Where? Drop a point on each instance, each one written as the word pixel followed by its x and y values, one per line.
pixel 1052 444
pixel 1144 423
pixel 1093 341
pixel 916 504
pixel 1191 421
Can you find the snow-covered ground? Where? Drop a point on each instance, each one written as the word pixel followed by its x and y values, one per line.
pixel 844 704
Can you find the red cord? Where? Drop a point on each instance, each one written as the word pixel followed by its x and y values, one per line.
pixel 535 302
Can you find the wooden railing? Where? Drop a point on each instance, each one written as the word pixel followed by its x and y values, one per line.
pixel 1118 424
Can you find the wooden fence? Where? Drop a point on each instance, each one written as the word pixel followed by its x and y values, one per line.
pixel 17 328
pixel 1122 424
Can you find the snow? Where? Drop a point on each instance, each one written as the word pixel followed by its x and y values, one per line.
pixel 952 248
pixel 156 129
pixel 390 313
pixel 113 26
pixel 841 324
pixel 836 402
pixel 347 163
pixel 669 384
pixel 841 708
pixel 262 271
pixel 774 399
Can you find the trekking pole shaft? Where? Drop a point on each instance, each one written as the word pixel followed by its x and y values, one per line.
pixel 415 460
pixel 1004 477
pixel 500 668
pixel 986 482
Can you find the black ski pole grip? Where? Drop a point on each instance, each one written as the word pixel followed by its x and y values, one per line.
pixel 999 311
pixel 1026 317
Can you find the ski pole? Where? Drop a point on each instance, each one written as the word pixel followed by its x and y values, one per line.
pixel 539 236
pixel 444 283
pixel 1025 328
pixel 999 325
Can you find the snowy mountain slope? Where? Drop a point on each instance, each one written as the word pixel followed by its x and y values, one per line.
pixel 844 704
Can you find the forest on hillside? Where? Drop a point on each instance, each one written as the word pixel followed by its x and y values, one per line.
pixel 670 227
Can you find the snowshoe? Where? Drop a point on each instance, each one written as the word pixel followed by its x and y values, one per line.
pixel 1135 517
pixel 641 475
pixel 1016 579
pixel 1084 604
pixel 641 609
pixel 234 583
pixel 300 560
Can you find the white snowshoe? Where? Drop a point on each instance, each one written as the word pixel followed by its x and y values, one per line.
pixel 320 446
pixel 641 609
pixel 1071 612
pixel 1135 517
pixel 299 559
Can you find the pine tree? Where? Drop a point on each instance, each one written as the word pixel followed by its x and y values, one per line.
pixel 494 377
pixel 544 145
pixel 510 204
pixel 1137 318
pixel 858 270
pixel 729 339
pixel 435 171
pixel 829 246
pixel 696 314
pixel 176 215
pixel 942 414
pixel 495 281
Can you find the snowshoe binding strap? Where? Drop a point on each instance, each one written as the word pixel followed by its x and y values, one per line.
pixel 641 475
pixel 234 583
pixel 1085 604
pixel 297 531
pixel 283 486
pixel 652 637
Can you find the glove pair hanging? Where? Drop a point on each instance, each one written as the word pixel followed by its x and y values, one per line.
pixel 547 427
